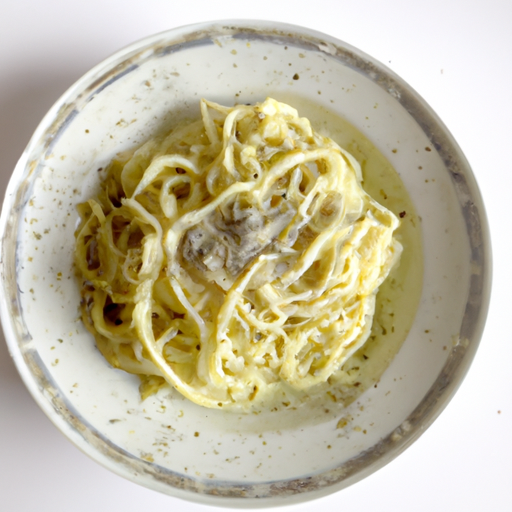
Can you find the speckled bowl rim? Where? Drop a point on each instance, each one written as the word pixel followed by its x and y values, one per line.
pixel 272 493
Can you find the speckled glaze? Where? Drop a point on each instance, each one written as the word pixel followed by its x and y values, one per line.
pixel 166 442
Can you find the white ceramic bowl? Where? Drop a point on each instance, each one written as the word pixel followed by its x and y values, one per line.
pixel 167 443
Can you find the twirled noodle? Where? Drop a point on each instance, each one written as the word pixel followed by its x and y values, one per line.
pixel 237 257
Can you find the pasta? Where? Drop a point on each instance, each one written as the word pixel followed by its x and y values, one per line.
pixel 236 258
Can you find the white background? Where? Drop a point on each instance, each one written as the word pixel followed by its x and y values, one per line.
pixel 458 55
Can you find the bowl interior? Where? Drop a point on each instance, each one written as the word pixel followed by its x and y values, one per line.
pixel 166 442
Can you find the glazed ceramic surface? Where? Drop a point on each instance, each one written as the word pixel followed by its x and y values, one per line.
pixel 166 442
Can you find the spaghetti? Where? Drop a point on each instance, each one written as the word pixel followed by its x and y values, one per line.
pixel 236 258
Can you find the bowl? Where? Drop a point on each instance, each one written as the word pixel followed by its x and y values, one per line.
pixel 165 442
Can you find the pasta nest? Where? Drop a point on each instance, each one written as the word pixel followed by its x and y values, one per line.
pixel 237 257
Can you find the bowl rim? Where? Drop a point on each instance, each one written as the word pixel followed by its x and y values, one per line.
pixel 447 382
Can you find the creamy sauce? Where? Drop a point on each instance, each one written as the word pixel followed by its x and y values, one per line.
pixel 397 299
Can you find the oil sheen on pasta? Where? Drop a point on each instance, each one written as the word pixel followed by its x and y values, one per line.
pixel 238 259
